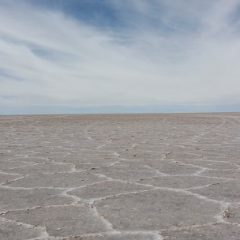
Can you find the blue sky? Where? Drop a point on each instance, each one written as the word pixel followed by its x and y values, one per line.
pixel 75 56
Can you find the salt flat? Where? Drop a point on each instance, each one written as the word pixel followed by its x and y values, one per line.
pixel 120 177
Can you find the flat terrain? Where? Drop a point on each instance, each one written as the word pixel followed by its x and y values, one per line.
pixel 120 177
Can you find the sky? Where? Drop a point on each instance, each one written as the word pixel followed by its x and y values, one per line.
pixel 93 56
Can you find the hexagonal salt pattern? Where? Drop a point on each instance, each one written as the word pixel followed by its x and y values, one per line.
pixel 120 177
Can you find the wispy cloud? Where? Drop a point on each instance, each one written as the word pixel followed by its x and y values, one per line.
pixel 158 52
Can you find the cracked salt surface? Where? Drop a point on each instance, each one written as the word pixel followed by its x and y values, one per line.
pixel 122 177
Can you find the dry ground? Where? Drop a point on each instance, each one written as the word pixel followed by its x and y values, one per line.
pixel 122 177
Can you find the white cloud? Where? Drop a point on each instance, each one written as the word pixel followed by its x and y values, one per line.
pixel 48 58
